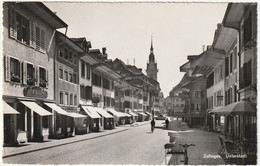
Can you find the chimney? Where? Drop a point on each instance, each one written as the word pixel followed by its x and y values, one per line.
pixel 104 50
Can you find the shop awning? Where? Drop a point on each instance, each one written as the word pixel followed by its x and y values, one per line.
pixel 76 115
pixel 90 111
pixel 115 113
pixel 241 107
pixel 133 114
pixel 156 109
pixel 7 109
pixel 141 113
pixel 125 114
pixel 103 113
pixel 36 108
pixel 56 108
pixel 148 113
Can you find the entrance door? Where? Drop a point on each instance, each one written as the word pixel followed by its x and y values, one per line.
pixel 7 129
pixel 36 126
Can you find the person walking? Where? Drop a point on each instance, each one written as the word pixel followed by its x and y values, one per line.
pixel 152 125
pixel 167 123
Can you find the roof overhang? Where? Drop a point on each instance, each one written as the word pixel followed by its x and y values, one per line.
pixel 185 67
pixel 233 15
pixel 224 39
pixel 209 60
pixel 89 59
pixel 103 68
pixel 46 14
pixel 65 40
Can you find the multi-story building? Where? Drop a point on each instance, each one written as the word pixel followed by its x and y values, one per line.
pixel 242 18
pixel 28 69
pixel 231 79
pixel 195 92
pixel 66 86
pixel 175 102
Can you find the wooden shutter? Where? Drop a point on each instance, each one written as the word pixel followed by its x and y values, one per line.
pixel 47 78
pixel 7 69
pixel 24 73
pixel 42 40
pixel 12 23
pixel 36 75
pixel 32 35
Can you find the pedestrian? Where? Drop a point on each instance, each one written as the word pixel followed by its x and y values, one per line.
pixel 167 123
pixel 152 125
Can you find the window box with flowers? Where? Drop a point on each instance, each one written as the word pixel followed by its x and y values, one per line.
pixel 15 77
pixel 30 80
pixel 43 83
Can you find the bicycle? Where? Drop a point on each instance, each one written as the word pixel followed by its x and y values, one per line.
pixel 176 152
pixel 186 158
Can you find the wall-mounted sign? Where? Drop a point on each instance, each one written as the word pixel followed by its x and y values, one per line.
pixel 35 92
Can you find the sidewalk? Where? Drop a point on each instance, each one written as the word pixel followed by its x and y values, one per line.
pixel 205 151
pixel 36 146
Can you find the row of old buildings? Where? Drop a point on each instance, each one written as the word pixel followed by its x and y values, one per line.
pixel 219 87
pixel 55 86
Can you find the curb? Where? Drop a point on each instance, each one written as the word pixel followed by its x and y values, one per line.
pixel 52 146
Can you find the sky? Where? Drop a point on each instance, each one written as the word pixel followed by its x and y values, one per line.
pixel 126 29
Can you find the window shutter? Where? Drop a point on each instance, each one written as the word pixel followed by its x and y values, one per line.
pixel 12 23
pixel 36 75
pixel 24 73
pixel 47 78
pixel 32 35
pixel 42 42
pixel 7 69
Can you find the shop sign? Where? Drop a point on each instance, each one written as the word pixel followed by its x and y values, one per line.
pixel 35 92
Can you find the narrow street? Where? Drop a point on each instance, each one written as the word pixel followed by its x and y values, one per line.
pixel 134 146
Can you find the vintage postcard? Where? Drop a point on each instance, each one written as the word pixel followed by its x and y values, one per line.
pixel 133 83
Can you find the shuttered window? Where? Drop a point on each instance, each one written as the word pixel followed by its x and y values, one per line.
pixel 12 69
pixel 43 77
pixel 22 27
pixel 29 74
pixel 25 31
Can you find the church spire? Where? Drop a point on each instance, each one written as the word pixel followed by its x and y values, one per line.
pixel 151 44
pixel 151 56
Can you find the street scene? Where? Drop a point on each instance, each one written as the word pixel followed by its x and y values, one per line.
pixel 136 141
pixel 129 83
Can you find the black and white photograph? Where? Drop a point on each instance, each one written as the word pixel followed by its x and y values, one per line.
pixel 129 82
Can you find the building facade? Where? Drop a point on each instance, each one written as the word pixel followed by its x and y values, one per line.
pixel 28 69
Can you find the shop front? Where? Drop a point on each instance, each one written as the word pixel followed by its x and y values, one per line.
pixel 141 116
pixel 134 116
pixel 240 127
pixel 117 116
pixel 93 119
pixel 37 119
pixel 80 122
pixel 107 119
pixel 10 131
pixel 149 116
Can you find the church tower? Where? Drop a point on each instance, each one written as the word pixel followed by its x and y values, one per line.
pixel 151 69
